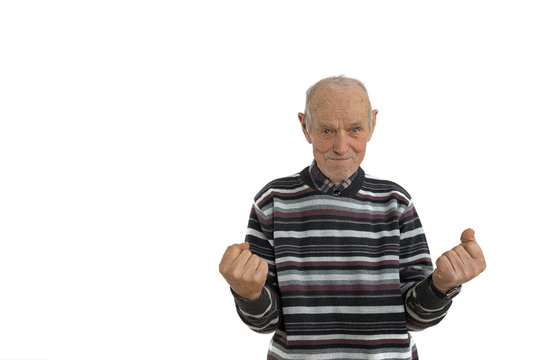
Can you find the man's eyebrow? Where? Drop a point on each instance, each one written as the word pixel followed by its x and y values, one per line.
pixel 357 124
pixel 325 125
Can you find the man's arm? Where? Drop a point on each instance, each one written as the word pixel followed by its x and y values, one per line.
pixel 249 268
pixel 423 308
pixel 428 300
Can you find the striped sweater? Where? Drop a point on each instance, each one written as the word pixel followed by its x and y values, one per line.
pixel 349 272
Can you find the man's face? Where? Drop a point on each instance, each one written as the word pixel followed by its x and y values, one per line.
pixel 339 130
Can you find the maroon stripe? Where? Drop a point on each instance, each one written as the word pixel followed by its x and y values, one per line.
pixel 346 326
pixel 340 249
pixel 335 264
pixel 329 212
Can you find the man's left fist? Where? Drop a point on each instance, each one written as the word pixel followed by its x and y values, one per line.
pixel 459 265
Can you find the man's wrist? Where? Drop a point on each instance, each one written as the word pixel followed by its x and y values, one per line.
pixel 250 297
pixel 256 306
pixel 443 293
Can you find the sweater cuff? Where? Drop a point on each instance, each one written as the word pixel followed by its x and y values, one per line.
pixel 254 307
pixel 430 298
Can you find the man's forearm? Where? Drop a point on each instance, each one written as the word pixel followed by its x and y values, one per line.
pixel 424 306
pixel 262 315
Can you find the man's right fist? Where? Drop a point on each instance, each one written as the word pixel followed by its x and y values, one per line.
pixel 245 272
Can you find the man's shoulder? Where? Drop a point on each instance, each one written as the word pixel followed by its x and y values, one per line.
pixel 382 186
pixel 284 185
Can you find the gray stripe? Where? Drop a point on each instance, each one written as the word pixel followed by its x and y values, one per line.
pixel 332 276
pixel 332 204
pixel 343 309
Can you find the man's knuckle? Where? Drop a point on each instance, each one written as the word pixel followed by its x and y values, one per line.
pixel 245 253
pixel 224 267
pixel 480 267
pixel 260 278
pixel 231 252
pixel 454 277
pixel 483 264
pixel 236 274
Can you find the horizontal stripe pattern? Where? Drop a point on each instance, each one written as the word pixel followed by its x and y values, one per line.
pixel 343 270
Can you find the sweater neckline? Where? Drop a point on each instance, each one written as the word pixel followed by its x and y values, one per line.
pixel 349 191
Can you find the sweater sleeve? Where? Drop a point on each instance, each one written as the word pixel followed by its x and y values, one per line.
pixel 423 307
pixel 262 315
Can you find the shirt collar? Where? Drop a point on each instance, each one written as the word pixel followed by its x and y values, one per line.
pixel 323 184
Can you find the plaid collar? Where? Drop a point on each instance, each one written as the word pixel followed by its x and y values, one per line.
pixel 325 185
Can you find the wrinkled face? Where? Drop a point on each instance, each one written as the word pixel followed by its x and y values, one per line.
pixel 339 129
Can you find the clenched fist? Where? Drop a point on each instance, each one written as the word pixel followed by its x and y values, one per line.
pixel 245 272
pixel 459 265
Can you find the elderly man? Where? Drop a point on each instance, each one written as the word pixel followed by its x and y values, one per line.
pixel 336 261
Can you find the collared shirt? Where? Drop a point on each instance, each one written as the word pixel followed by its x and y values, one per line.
pixel 322 183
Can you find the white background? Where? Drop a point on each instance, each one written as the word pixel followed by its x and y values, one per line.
pixel 134 135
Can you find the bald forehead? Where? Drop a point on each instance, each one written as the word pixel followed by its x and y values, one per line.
pixel 328 96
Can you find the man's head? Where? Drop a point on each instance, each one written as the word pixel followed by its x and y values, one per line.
pixel 338 122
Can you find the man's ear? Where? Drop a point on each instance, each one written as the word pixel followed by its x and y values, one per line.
pixel 303 123
pixel 373 122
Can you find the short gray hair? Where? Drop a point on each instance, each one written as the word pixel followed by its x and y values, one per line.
pixel 334 82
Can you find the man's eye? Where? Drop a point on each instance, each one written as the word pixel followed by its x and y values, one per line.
pixel 356 130
pixel 326 131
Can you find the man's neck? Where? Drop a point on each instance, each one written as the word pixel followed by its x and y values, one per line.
pixel 326 184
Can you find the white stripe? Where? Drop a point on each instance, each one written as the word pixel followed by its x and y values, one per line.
pixel 254 328
pixel 383 194
pixel 419 319
pixel 259 235
pixel 414 258
pixel 411 233
pixel 281 191
pixel 256 233
pixel 338 259
pixel 335 233
pixel 396 309
pixel 415 316
pixel 268 212
pixel 327 203
pixel 258 316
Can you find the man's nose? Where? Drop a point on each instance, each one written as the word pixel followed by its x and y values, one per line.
pixel 341 146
